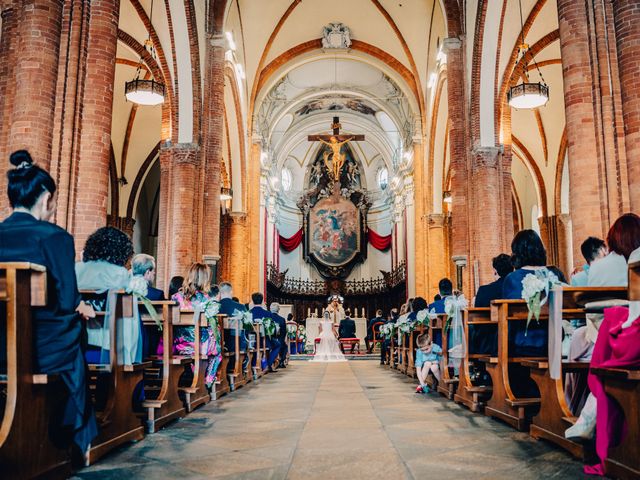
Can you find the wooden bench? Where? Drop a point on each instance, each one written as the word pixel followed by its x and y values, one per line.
pixel 555 415
pixel 352 343
pixel 222 380
pixel 28 400
pixel 376 338
pixel 194 391
pixel 236 376
pixel 435 330
pixel 470 395
pixel 162 399
pixel 623 385
pixel 117 422
pixel 504 404
pixel 448 380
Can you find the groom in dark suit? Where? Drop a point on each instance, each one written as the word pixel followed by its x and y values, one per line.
pixel 347 328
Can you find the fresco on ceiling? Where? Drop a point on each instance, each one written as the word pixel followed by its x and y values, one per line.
pixel 332 104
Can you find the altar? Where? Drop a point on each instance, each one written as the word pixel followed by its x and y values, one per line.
pixel 312 324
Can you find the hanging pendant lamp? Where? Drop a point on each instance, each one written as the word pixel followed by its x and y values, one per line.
pixel 527 94
pixel 142 91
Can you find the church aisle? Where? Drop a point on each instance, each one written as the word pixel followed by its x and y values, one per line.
pixel 345 420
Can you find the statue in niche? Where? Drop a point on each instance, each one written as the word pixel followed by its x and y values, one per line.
pixel 336 35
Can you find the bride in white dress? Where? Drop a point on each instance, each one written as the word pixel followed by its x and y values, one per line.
pixel 328 350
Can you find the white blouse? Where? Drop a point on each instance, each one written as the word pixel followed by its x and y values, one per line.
pixel 609 271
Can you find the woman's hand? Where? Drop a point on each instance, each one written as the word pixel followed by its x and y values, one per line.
pixel 86 311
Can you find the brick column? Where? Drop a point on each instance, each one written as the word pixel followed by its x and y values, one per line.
pixel 35 78
pixel 489 213
pixel 179 165
pixel 419 226
pixel 212 141
pixel 597 159
pixel 555 232
pixel 237 265
pixel 8 52
pixel 438 259
pixel 627 26
pixel 92 187
pixel 458 151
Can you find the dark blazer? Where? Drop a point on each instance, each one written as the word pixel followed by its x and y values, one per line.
pixel 155 294
pixel 438 306
pixel 228 307
pixel 347 328
pixel 58 329
pixel 259 312
pixel 491 291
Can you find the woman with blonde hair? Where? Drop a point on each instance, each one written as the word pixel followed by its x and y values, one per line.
pixel 193 294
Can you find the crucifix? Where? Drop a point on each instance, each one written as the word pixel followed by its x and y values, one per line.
pixel 335 142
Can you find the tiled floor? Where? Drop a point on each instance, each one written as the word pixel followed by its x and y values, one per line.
pixel 346 420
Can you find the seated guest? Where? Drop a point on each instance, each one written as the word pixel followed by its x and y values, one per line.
pixel 427 360
pixel 527 256
pixel 175 284
pixel 193 294
pixel 230 307
pixel 347 328
pixel 386 343
pixel 145 266
pixel 446 290
pixel 417 305
pixel 104 257
pixel 281 333
pixel 501 268
pixel 258 311
pixel 369 338
pixel 592 249
pixel 28 235
pixel 437 297
pixel 290 318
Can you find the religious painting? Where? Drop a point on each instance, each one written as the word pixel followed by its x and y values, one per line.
pixel 334 227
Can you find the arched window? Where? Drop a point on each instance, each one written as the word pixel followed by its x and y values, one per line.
pixel 286 179
pixel 383 178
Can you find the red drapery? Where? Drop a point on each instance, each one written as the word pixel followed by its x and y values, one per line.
pixel 291 243
pixel 381 242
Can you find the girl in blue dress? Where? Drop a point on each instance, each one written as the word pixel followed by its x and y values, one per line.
pixel 427 360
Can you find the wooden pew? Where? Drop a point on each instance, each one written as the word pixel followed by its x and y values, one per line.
pixel 28 400
pixel 194 392
pixel 504 404
pixel 555 415
pixel 117 422
pixel 403 353
pixel 162 399
pixel 623 385
pixel 236 377
pixel 393 351
pixel 449 382
pixel 468 394
pixel 222 382
pixel 256 353
pixel 436 326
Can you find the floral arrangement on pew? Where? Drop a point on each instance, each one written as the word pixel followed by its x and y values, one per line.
pixel 270 327
pixel 535 291
pixel 292 331
pixel 211 309
pixel 405 325
pixel 424 317
pixel 139 288
pixel 387 330
pixel 453 307
pixel 302 333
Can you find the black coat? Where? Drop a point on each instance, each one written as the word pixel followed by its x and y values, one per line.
pixel 486 293
pixel 347 328
pixel 58 329
pixel 155 294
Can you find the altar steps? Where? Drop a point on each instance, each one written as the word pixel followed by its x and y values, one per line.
pixel 365 356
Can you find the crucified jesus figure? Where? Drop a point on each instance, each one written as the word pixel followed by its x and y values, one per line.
pixel 337 158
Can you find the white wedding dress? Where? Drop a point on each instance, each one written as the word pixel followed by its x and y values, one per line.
pixel 328 350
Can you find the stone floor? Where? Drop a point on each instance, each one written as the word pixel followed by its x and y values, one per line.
pixel 344 420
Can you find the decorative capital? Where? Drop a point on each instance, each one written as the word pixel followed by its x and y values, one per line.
pixel 435 220
pixel 451 43
pixel 459 260
pixel 210 259
pixel 216 40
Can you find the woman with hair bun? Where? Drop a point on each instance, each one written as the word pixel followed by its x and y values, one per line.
pixel 28 235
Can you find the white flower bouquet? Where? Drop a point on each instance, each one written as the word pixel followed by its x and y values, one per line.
pixel 139 288
pixel 292 330
pixel 424 317
pixel 535 291
pixel 269 326
pixel 387 330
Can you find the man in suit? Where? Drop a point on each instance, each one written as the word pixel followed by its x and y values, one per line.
pixel 369 338
pixel 259 311
pixel 347 328
pixel 386 343
pixel 282 333
pixel 492 291
pixel 144 265
pixel 446 290
pixel 232 309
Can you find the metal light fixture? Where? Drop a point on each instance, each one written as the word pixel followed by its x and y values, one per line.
pixel 527 95
pixel 142 91
pixel 226 194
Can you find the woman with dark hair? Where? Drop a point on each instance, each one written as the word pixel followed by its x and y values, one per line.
pixel 623 238
pixel 104 257
pixel 528 255
pixel 28 236
pixel 175 284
